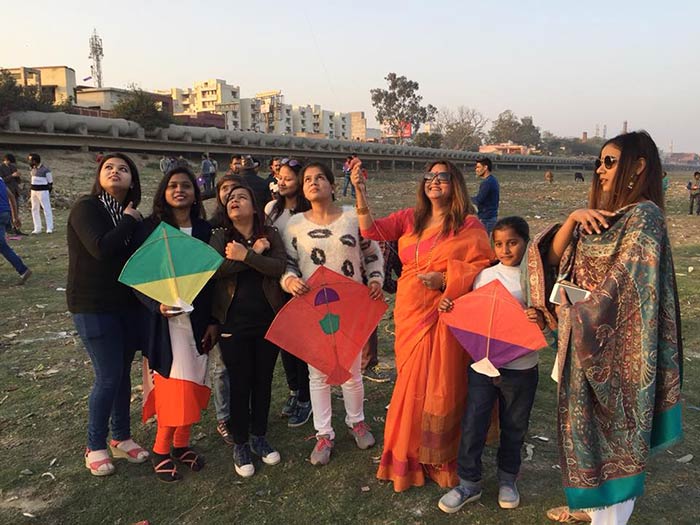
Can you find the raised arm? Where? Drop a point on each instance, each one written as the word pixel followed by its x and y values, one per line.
pixel 591 221
pixel 101 241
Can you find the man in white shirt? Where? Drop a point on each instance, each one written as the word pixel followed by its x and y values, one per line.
pixel 41 184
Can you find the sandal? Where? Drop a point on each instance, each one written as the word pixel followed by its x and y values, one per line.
pixel 129 450
pixel 189 457
pixel 101 464
pixel 565 515
pixel 166 471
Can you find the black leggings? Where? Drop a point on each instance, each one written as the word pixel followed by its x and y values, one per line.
pixel 250 360
pixel 297 373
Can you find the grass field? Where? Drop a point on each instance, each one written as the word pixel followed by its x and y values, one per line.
pixel 46 375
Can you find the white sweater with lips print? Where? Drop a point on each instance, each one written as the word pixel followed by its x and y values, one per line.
pixel 338 246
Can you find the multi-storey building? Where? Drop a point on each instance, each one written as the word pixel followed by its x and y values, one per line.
pixel 203 97
pixel 58 81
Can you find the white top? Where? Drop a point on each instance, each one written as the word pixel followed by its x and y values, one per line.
pixel 337 246
pixel 510 278
pixel 280 222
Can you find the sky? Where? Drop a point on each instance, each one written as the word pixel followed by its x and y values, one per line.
pixel 569 65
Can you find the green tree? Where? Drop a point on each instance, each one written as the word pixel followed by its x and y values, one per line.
pixel 528 133
pixel 400 104
pixel 505 128
pixel 141 107
pixel 14 97
pixel 428 140
pixel 462 129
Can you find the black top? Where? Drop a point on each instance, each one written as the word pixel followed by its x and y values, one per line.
pixel 250 313
pixel 97 252
pixel 260 188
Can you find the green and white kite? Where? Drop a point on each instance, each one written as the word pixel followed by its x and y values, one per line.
pixel 171 267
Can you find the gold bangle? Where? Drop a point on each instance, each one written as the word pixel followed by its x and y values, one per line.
pixel 444 282
pixel 363 211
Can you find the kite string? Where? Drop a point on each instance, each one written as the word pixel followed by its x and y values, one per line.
pixel 173 280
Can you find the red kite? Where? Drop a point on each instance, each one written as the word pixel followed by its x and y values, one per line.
pixel 328 326
pixel 491 325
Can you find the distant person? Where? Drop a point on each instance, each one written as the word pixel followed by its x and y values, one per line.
pixel 346 175
pixel 249 172
pixel 180 162
pixel 235 165
pixel 208 174
pixel 42 185
pixel 487 198
pixel 693 187
pixel 10 174
pixel 9 218
pixel 274 176
pixel 164 164
pixel 664 183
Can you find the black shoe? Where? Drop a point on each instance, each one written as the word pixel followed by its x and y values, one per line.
pixel 376 375
pixel 301 414
pixel 260 447
pixel 242 461
pixel 290 404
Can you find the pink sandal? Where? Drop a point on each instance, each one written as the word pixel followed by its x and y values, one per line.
pixel 129 450
pixel 102 465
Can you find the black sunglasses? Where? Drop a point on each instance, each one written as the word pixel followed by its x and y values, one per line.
pixel 442 177
pixel 608 161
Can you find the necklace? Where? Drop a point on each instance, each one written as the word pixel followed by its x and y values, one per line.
pixel 430 253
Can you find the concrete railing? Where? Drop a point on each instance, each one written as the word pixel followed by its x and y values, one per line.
pixel 62 129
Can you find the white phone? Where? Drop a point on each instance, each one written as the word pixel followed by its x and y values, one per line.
pixel 573 293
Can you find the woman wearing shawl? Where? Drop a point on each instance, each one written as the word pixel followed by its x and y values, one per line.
pixel 100 226
pixel 177 342
pixel 442 246
pixel 619 357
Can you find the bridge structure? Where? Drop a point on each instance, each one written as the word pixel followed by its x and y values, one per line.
pixel 51 130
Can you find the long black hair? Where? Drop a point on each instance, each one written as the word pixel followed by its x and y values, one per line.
pixel 133 195
pixel 232 234
pixel 302 202
pixel 162 211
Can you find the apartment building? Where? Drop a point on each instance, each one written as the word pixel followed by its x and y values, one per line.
pixel 358 125
pixel 59 81
pixel 204 96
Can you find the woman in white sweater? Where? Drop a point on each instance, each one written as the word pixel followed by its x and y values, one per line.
pixel 329 235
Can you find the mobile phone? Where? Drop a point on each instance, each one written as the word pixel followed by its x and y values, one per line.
pixel 573 293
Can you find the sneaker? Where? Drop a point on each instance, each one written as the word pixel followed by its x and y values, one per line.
pixel 225 433
pixel 34 232
pixel 260 447
pixel 242 461
pixel 302 414
pixel 363 437
pixel 376 375
pixel 26 275
pixel 290 404
pixel 457 498
pixel 321 454
pixel 508 496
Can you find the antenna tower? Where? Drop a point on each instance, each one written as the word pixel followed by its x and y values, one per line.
pixel 96 55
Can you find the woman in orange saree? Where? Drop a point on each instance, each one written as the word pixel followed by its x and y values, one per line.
pixel 442 246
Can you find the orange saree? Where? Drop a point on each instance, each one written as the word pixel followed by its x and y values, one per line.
pixel 422 429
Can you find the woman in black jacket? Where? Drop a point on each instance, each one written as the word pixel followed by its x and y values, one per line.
pixel 247 296
pixel 100 227
pixel 176 341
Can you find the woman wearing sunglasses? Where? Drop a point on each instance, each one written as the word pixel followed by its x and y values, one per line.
pixel 328 235
pixel 619 354
pixel 290 201
pixel 442 246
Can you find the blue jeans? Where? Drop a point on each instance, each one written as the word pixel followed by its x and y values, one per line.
pixel 219 384
pixel 111 347
pixel 348 183
pixel 7 252
pixel 515 392
pixel 489 224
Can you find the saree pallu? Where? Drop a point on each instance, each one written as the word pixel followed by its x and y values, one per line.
pixel 620 358
pixel 422 429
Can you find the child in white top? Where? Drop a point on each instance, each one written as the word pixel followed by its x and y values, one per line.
pixel 514 389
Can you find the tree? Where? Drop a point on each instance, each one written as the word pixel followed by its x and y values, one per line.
pixel 140 106
pixel 401 104
pixel 428 140
pixel 462 129
pixel 528 134
pixel 14 97
pixel 505 128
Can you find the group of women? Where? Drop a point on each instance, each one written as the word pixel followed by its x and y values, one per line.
pixel 618 358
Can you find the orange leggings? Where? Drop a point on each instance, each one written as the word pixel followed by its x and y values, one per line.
pixel 179 437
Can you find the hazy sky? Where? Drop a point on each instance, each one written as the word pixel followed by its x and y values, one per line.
pixel 571 65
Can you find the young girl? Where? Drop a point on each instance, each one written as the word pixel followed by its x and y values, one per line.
pixel 247 297
pixel 177 342
pixel 515 389
pixel 290 201
pixel 328 235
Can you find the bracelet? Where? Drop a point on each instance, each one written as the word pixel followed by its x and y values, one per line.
pixel 444 282
pixel 363 211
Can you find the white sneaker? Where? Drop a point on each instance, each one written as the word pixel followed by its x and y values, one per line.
pixel 242 462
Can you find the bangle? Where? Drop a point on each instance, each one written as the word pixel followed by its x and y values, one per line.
pixel 444 282
pixel 363 211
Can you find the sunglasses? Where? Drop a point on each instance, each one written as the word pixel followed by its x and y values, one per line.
pixel 442 177
pixel 292 163
pixel 608 161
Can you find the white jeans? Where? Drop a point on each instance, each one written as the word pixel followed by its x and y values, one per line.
pixel 41 199
pixel 353 397
pixel 618 514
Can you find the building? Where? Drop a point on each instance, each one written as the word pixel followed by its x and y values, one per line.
pixel 302 120
pixel 275 116
pixel 204 96
pixel 58 81
pixel 105 98
pixel 358 125
pixel 505 148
